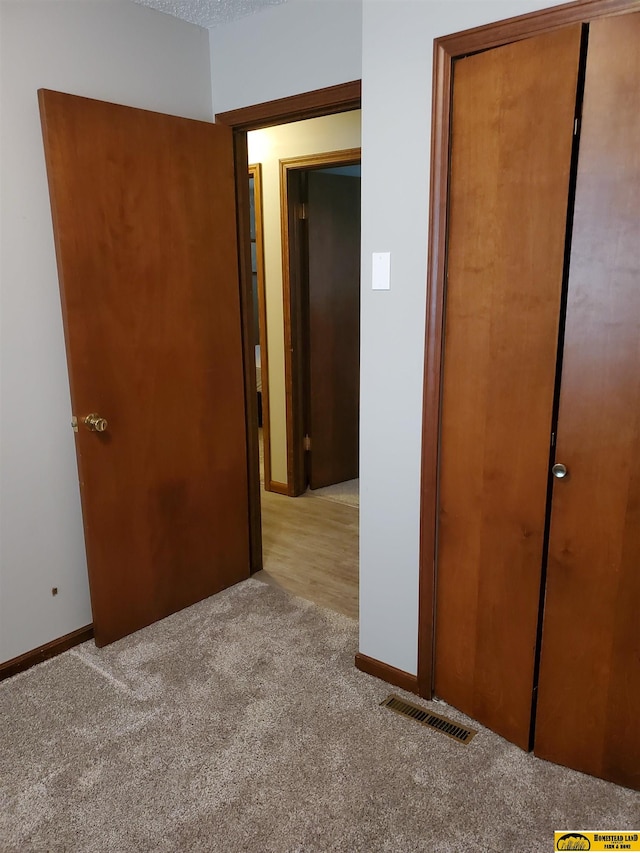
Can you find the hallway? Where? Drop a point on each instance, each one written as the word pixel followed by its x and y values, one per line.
pixel 310 548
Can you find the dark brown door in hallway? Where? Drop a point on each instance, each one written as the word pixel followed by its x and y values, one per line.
pixel 334 326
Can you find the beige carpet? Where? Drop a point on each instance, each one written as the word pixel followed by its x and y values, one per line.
pixel 344 493
pixel 241 725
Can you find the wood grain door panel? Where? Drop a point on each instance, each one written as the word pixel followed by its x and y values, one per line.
pixel 334 326
pixel 589 689
pixel 512 136
pixel 144 220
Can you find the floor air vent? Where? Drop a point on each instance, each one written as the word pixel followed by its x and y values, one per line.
pixel 428 718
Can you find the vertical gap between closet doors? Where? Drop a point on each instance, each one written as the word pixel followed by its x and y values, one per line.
pixel 441 386
pixel 558 376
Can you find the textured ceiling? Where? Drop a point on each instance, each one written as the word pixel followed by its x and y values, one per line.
pixel 209 13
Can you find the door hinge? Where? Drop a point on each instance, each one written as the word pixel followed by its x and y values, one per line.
pixel 553 439
pixel 302 210
pixel 576 125
pixel 306 443
pixel 74 423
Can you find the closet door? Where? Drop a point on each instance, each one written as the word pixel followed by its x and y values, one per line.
pixel 589 689
pixel 513 119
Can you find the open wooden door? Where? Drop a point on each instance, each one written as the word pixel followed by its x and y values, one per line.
pixel 144 220
pixel 589 688
pixel 334 327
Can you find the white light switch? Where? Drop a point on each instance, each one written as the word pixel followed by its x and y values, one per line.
pixel 381 271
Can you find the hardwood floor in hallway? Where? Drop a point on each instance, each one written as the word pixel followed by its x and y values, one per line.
pixel 310 548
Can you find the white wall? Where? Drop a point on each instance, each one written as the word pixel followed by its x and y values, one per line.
pixel 296 47
pixel 269 146
pixel 113 51
pixel 396 127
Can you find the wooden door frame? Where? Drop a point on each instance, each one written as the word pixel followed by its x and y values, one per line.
pixel 295 343
pixel 320 102
pixel 255 170
pixel 446 50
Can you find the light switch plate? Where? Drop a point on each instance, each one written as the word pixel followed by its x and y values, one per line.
pixel 381 271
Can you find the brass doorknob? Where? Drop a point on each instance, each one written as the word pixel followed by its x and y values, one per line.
pixel 95 423
pixel 559 471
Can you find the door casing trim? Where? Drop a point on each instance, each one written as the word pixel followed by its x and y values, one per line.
pixel 320 102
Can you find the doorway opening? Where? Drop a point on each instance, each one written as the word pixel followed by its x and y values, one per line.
pixel 320 199
pixel 307 545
